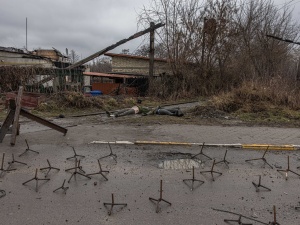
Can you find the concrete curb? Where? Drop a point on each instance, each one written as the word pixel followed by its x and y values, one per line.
pixel 236 145
pixel 186 143
pixel 271 147
pixel 113 142
pixel 166 143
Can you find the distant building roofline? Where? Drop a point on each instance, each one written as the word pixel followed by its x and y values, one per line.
pixel 13 50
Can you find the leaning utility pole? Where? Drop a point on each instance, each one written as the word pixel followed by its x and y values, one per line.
pixel 136 35
pixel 151 52
pixel 26 35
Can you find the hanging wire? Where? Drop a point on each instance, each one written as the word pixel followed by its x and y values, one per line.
pixel 146 37
pixel 291 2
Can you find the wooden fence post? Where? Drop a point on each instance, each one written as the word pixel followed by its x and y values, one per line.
pixel 16 117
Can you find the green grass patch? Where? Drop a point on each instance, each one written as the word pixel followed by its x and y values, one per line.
pixel 271 115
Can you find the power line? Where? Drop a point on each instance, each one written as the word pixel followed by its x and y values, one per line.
pixel 282 39
pixel 145 37
pixel 290 3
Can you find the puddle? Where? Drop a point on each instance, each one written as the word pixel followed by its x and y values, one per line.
pixel 177 164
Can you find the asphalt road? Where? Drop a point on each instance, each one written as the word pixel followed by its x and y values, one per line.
pixel 135 175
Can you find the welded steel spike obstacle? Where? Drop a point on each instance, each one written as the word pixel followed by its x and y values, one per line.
pixel 110 154
pixel 275 220
pixel 224 160
pixel 112 204
pixel 160 198
pixel 212 171
pixel 36 180
pixel 2 166
pixel 257 186
pixel 201 153
pixel 49 168
pixel 288 169
pixel 77 165
pixel 76 172
pixel 28 149
pixel 15 161
pixel 62 187
pixel 239 221
pixel 75 155
pixel 262 158
pixel 193 180
pixel 100 171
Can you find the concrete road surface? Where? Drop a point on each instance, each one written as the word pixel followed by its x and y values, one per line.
pixel 135 174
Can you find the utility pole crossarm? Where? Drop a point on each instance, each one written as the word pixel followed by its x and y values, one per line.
pixel 136 35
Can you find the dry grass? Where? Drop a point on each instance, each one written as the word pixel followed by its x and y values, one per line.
pixel 273 102
pixel 73 103
pixel 253 97
pixel 76 100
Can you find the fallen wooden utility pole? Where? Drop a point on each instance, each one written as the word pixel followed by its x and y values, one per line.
pixel 136 35
pixel 44 80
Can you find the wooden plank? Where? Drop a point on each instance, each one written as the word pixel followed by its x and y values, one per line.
pixel 16 117
pixel 6 124
pixel 43 121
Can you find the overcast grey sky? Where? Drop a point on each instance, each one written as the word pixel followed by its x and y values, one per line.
pixel 85 26
pixel 294 4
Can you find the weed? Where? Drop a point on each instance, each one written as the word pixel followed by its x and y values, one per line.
pixel 111 102
pixel 130 101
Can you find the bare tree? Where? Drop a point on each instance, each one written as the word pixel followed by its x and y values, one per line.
pixel 101 65
pixel 179 37
pixel 214 45
pixel 266 57
pixel 73 56
pixel 125 52
pixel 160 51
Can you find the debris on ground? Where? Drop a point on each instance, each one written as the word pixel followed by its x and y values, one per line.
pixel 209 112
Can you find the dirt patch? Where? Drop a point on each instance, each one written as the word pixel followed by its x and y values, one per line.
pixel 209 112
